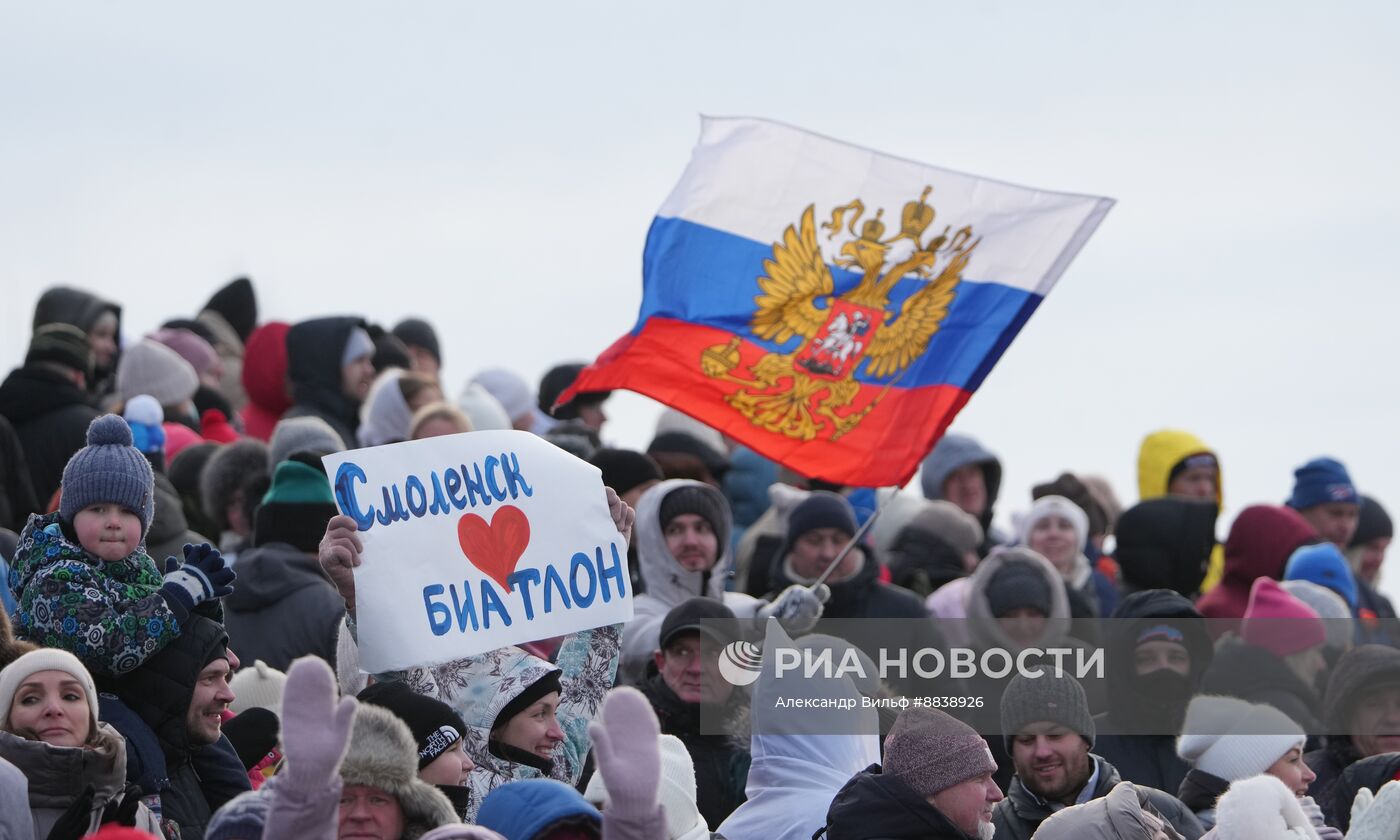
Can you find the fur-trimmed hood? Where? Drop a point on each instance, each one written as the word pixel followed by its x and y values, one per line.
pixel 986 630
pixel 384 755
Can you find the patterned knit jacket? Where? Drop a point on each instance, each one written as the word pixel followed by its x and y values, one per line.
pixel 110 615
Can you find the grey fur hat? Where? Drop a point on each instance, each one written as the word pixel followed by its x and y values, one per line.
pixel 301 434
pixel 228 469
pixel 383 755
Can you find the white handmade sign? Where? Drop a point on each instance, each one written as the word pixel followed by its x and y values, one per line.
pixel 476 541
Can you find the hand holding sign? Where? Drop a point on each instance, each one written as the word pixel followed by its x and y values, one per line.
pixel 462 544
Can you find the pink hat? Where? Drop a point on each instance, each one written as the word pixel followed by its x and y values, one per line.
pixel 1265 626
pixel 190 346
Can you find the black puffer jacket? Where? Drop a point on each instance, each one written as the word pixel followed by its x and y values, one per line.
pixel 314 349
pixel 1021 812
pixel 282 607
pixel 17 499
pixel 721 760
pixel 1200 791
pixel 874 806
pixel 159 693
pixel 1138 733
pixel 51 416
pixel 1254 674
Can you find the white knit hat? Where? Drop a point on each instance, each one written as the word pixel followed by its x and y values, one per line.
pixel 257 687
pixel 683 820
pixel 1055 506
pixel 1232 739
pixel 484 410
pixel 45 659
pixel 510 389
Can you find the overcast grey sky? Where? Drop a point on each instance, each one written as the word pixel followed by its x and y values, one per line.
pixel 495 166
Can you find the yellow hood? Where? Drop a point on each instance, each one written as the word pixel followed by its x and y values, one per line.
pixel 1163 450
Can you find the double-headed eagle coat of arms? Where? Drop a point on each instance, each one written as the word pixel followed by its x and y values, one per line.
pixel 812 391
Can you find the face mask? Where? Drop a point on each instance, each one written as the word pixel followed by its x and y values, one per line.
pixel 1163 695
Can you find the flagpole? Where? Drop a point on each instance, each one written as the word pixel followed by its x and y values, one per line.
pixel 860 532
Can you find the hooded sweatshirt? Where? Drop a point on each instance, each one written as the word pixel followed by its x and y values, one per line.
pixel 478 688
pixel 1261 540
pixel 314 350
pixel 951 454
pixel 1160 452
pixel 800 762
pixel 666 584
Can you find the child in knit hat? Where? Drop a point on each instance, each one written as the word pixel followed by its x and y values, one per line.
pixel 82 577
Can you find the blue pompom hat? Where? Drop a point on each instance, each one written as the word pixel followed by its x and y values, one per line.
pixel 111 470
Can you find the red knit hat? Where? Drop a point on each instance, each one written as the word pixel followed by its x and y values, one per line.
pixel 1264 625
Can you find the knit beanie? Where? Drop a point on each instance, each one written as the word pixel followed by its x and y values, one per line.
pixel 527 697
pixel 193 349
pixel 1341 626
pixel 146 419
pixel 1324 565
pixel 61 344
pixel 483 410
pixel 1278 622
pixel 415 332
pixel 1232 739
pixel 150 367
pixel 703 501
pixel 930 751
pixel 1017 585
pixel 556 382
pixel 257 686
pixel 358 344
pixel 434 724
pixel 385 416
pixel 45 659
pixel 301 434
pixel 950 523
pixel 1320 481
pixel 384 755
pixel 821 509
pixel 625 469
pixel 215 427
pixel 1372 523
pixel 515 394
pixel 677 793
pixel 108 470
pixel 1053 697
pixel 241 818
pixel 295 508
pixel 1047 506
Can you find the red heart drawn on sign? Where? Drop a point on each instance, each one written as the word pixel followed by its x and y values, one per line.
pixel 495 548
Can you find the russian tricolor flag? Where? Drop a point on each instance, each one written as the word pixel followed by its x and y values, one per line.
pixel 831 307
